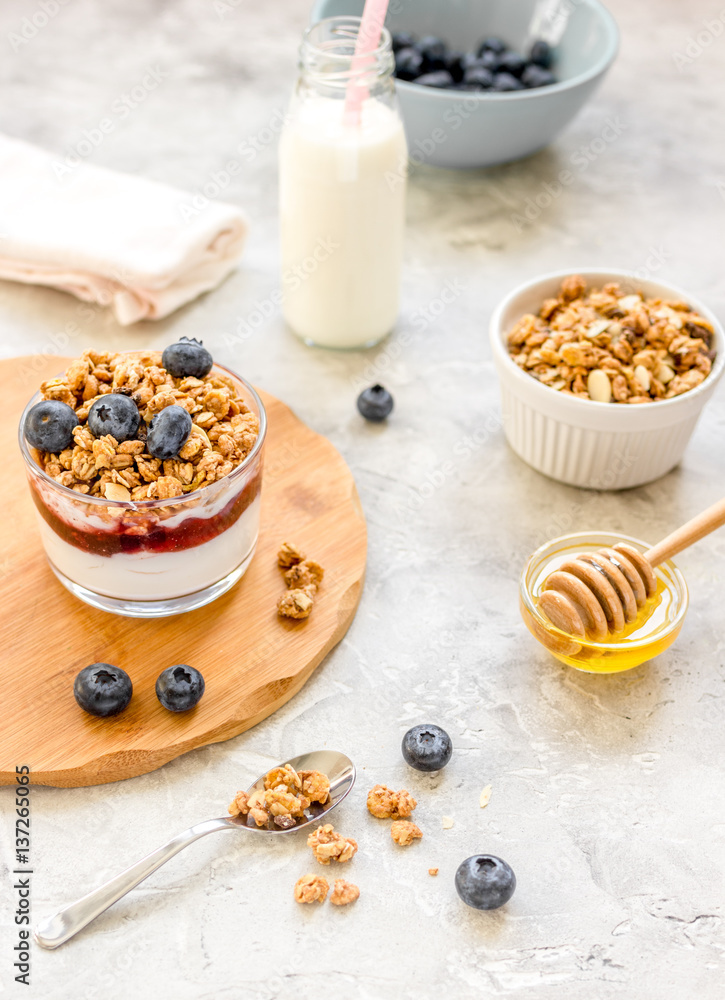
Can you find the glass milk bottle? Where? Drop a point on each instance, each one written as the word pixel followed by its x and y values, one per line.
pixel 342 191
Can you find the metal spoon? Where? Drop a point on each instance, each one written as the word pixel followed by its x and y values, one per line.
pixel 57 929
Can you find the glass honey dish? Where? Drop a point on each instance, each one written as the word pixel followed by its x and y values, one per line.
pixel 657 625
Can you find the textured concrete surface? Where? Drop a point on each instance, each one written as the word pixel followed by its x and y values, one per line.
pixel 608 798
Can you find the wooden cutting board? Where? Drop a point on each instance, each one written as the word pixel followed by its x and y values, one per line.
pixel 252 660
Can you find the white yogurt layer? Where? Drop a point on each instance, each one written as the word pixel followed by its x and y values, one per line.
pixel 155 576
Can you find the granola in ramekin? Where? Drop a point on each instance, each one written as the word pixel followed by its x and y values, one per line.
pixel 606 345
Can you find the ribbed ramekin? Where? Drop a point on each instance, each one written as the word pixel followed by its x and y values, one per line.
pixel 600 446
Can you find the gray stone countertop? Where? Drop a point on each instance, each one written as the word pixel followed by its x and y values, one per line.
pixel 608 797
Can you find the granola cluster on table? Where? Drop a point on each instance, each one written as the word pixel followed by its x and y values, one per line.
pixel 223 432
pixel 314 889
pixel 327 845
pixel 303 577
pixel 606 345
pixel 384 803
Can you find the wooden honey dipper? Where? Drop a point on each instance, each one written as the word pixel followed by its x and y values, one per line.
pixel 598 593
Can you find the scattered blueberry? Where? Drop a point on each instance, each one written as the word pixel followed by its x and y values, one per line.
pixel 505 81
pixel 485 882
pixel 541 54
pixel 375 403
pixel 116 415
pixel 408 64
pixel 480 76
pixel 537 76
pixel 168 432
pixel 187 357
pixel 402 40
pixel 511 62
pixel 441 78
pixel 102 689
pixel 427 748
pixel 492 45
pixel 49 425
pixel 179 688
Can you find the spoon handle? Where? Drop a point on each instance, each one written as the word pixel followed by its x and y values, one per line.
pixel 55 930
pixel 688 534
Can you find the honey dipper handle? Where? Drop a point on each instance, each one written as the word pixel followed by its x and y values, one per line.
pixel 688 534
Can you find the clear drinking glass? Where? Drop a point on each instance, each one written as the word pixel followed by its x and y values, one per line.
pixel 342 191
pixel 152 558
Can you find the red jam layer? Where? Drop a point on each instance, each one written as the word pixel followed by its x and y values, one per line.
pixel 126 536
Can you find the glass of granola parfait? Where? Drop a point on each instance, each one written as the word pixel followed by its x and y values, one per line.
pixel 146 472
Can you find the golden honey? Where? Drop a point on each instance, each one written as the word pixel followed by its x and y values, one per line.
pixel 656 627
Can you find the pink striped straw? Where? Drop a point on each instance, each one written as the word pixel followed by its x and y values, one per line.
pixel 368 39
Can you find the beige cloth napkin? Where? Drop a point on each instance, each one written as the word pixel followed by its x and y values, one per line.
pixel 141 247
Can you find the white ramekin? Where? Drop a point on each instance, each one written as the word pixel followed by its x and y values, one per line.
pixel 600 446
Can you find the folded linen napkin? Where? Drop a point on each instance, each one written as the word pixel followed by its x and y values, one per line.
pixel 111 238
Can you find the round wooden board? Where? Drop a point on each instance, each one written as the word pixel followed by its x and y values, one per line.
pixel 252 660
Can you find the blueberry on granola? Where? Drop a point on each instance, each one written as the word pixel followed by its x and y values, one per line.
pixel 168 432
pixel 375 403
pixel 49 426
pixel 114 414
pixel 485 882
pixel 427 748
pixel 102 689
pixel 179 688
pixel 188 357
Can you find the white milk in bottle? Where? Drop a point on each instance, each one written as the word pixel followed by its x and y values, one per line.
pixel 342 193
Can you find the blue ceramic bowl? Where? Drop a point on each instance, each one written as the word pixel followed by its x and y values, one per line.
pixel 449 128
